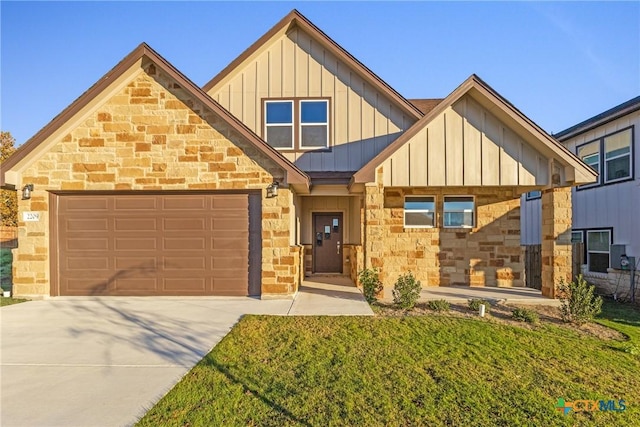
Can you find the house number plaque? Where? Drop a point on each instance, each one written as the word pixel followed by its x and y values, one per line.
pixel 30 216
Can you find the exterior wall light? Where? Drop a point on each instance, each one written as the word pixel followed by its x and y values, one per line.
pixel 26 191
pixel 272 190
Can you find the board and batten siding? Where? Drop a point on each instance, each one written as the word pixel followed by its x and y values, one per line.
pixel 349 206
pixel 465 145
pixel 362 120
pixel 616 205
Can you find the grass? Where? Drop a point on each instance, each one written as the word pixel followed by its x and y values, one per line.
pixel 10 301
pixel 420 370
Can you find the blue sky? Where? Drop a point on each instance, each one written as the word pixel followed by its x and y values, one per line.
pixel 559 63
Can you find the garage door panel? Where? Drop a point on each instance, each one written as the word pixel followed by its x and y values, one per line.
pixel 195 285
pixel 184 263
pixel 84 244
pixel 138 224
pixel 184 203
pixel 89 224
pixel 183 224
pixel 88 263
pixel 183 243
pixel 136 203
pixel 155 244
pixel 135 244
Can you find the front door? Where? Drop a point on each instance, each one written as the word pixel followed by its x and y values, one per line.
pixel 327 243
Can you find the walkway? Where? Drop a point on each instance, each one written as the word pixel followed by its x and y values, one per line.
pixel 329 296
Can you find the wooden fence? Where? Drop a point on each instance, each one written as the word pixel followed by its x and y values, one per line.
pixel 533 263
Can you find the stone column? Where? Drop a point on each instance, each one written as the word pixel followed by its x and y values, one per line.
pixel 556 239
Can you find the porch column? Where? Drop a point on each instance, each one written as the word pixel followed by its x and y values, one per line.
pixel 556 238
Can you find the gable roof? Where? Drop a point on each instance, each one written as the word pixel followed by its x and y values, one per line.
pixel 483 92
pixel 600 119
pixel 294 174
pixel 426 105
pixel 295 19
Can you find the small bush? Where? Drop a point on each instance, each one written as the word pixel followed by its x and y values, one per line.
pixel 439 305
pixel 525 315
pixel 577 301
pixel 371 284
pixel 406 291
pixel 474 305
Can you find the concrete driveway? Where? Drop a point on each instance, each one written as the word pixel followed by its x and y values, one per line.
pixel 105 362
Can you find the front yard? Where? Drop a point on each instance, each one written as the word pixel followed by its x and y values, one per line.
pixel 408 370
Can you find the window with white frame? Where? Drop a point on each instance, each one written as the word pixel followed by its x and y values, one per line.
pixel 419 212
pixel 297 124
pixel 314 124
pixel 610 156
pixel 279 123
pixel 459 211
pixel 576 237
pixel 598 242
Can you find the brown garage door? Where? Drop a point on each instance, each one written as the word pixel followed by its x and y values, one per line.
pixel 157 244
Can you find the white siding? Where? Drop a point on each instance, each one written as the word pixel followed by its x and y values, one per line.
pixel 615 205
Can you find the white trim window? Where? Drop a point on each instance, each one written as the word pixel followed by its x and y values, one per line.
pixel 314 124
pixel 617 156
pixel 419 211
pixel 278 124
pixel 611 156
pixel 598 242
pixel 459 211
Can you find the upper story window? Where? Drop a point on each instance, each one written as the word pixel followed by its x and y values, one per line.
pixel 610 156
pixel 419 212
pixel 459 211
pixel 297 124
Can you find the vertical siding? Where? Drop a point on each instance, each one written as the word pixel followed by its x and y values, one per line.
pixel 466 145
pixel 530 221
pixel 615 205
pixel 362 120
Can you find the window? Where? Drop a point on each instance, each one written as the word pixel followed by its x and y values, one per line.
pixel 616 164
pixel 279 123
pixel 536 194
pixel 576 237
pixel 459 211
pixel 598 242
pixel 301 124
pixel 314 125
pixel 419 212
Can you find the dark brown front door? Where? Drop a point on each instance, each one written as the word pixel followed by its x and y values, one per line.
pixel 157 244
pixel 327 243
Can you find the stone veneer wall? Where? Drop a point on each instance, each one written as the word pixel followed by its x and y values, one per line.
pixel 153 136
pixel 556 250
pixel 487 255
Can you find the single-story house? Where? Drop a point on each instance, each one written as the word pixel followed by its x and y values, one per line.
pixel 296 159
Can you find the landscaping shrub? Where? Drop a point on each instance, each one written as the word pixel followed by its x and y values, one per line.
pixel 577 301
pixel 371 284
pixel 474 305
pixel 439 305
pixel 525 315
pixel 406 291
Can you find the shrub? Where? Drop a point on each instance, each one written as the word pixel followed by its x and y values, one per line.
pixel 474 305
pixel 406 291
pixel 577 301
pixel 525 315
pixel 371 284
pixel 439 305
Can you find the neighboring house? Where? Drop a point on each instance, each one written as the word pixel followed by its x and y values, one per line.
pixel 605 212
pixel 150 185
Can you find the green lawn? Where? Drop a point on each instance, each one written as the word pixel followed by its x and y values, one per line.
pixel 422 370
pixel 10 301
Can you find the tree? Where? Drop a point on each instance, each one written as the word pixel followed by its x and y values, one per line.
pixel 8 198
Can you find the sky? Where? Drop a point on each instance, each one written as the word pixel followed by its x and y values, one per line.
pixel 558 62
